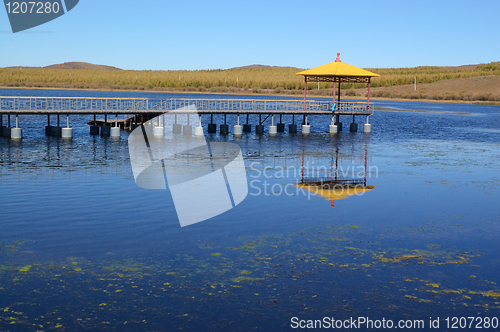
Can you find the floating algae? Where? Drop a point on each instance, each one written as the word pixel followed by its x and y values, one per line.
pixel 241 279
pixel 25 268
pixel 492 294
pixel 397 259
pixel 286 271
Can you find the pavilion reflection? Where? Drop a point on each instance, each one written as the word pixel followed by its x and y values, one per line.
pixel 339 184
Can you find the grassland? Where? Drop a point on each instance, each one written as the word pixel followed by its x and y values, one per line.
pixel 465 83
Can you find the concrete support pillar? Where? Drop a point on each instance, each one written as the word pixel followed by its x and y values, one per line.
pixel 159 129
pixel 259 129
pixel 176 127
pixel 198 131
pixel 338 123
pixel 212 127
pixel 272 128
pixel 354 126
pixel 292 128
pixel 94 130
pixel 56 130
pixel 281 125
pixel 237 129
pixel 105 130
pixel 67 132
pixel 6 130
pixel 16 133
pixel 306 128
pixel 116 131
pixel 135 125
pixel 247 128
pixel 187 129
pixel 367 128
pixel 48 127
pixel 224 128
pixel 333 129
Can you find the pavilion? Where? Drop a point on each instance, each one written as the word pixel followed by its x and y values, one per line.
pixel 339 72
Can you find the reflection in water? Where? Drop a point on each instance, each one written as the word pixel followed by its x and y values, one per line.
pixel 336 190
pixel 76 230
pixel 338 185
pixel 54 158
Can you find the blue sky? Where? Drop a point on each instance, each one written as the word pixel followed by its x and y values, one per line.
pixel 172 35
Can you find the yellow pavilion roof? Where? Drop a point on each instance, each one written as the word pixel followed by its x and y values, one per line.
pixel 339 69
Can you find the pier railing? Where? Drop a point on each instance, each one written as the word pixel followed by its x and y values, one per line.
pixel 71 104
pixel 44 105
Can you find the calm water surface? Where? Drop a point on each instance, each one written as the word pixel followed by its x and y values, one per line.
pixel 83 248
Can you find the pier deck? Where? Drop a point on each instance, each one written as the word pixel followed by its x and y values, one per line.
pixel 82 105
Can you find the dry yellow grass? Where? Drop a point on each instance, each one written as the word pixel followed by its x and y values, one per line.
pixel 463 83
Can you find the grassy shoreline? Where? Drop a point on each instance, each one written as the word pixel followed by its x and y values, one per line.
pixel 243 93
pixel 470 83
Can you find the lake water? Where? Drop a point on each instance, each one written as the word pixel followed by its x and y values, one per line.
pixel 82 247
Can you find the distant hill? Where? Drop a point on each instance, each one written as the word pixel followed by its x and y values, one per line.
pixel 81 65
pixel 20 67
pixel 71 65
pixel 258 67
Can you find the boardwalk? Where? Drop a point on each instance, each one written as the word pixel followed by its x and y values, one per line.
pixel 82 105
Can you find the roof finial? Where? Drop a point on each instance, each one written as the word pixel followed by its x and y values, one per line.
pixel 338 57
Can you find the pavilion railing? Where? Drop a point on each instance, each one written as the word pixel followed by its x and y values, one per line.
pixel 353 107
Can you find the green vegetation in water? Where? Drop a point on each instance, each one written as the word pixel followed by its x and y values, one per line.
pixel 288 272
pixel 25 268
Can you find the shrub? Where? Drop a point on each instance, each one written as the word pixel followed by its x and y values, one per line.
pixel 351 91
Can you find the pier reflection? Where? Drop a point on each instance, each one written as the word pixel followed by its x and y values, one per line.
pixel 52 158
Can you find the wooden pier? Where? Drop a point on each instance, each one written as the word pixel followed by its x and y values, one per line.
pixel 83 105
pixel 139 110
